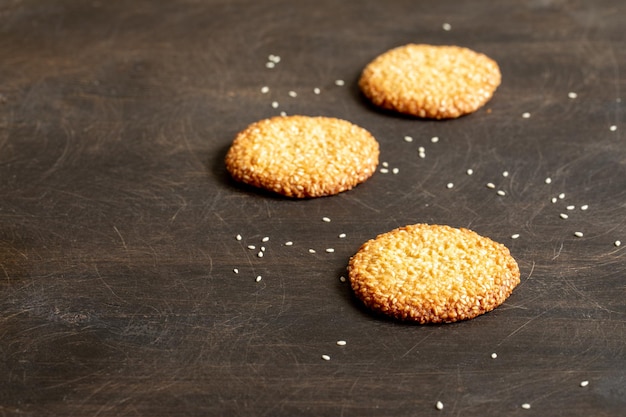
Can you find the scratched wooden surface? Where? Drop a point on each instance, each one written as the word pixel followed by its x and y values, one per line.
pixel 118 220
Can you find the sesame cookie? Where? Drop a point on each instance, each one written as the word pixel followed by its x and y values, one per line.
pixel 436 82
pixel 301 156
pixel 432 274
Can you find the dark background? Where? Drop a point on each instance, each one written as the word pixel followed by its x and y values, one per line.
pixel 118 219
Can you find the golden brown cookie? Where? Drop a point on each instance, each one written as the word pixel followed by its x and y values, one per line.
pixel 432 274
pixel 301 156
pixel 436 82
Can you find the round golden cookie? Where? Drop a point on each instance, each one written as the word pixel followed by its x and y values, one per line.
pixel 302 156
pixel 432 274
pixel 436 82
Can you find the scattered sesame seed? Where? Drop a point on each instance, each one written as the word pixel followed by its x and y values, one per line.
pixel 450 185
pixel 494 355
pixel 515 236
pixel 270 64
pixel 283 114
pixel 341 342
pixel 316 90
pixel 421 149
pixel 260 254
pixel 238 237
pixel 326 219
pixel 570 207
pixel 490 185
pixel 385 164
pixel 446 26
pixel 265 239
pixel 273 58
pixel 526 406
pixel 584 383
pixel 235 270
pixel 342 235
pixel 526 115
pixel 434 139
pixel 340 82
pixel 289 243
pixel 505 174
pixel 265 89
pixel 326 357
pixel 562 196
pixel 422 155
pixel 330 250
pixel 258 278
pixel 501 192
pixel 578 234
pixel 572 94
pixel 311 250
pixel 563 216
pixel 617 243
pixel 293 94
pixel 439 405
pixel 275 104
pixel 548 180
pixel 395 170
pixel 408 139
pixel 342 278
pixel 554 199
pixel 584 207
pixel 613 128
pixel 384 171
pixel 470 171
pixel 251 247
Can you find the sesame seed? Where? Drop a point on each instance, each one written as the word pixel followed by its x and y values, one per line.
pixel 270 64
pixel 311 250
pixel 293 94
pixel 340 82
pixel 562 196
pixel 422 155
pixel 265 239
pixel 289 243
pixel 408 139
pixel 263 248
pixel 258 278
pixel 526 115
pixel 326 357
pixel 446 26
pixel 260 254
pixel 526 406
pixel 617 243
pixel 384 171
pixel 491 185
pixel 505 174
pixel 342 235
pixel 251 247
pixel 470 171
pixel 584 207
pixel 265 89
pixel 613 128
pixel 548 180
pixel 235 270
pixel 570 207
pixel 439 405
pixel 238 237
pixel 494 355
pixel 450 185
pixel 584 383
pixel 578 234
pixel 385 164
pixel 275 104
pixel 515 236
pixel 341 342
pixel 563 216
pixel 342 278
pixel 283 114
pixel 434 139
pixel 330 250
pixel 395 170
pixel 421 149
pixel 273 58
pixel 316 90
pixel 501 192
pixel 554 199
pixel 326 219
pixel 572 94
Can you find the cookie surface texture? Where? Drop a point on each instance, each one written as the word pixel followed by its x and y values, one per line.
pixel 432 274
pixel 436 82
pixel 302 156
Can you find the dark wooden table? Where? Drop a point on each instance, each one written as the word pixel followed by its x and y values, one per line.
pixel 118 221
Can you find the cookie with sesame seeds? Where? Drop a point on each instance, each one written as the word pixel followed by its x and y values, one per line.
pixel 428 81
pixel 303 156
pixel 432 274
